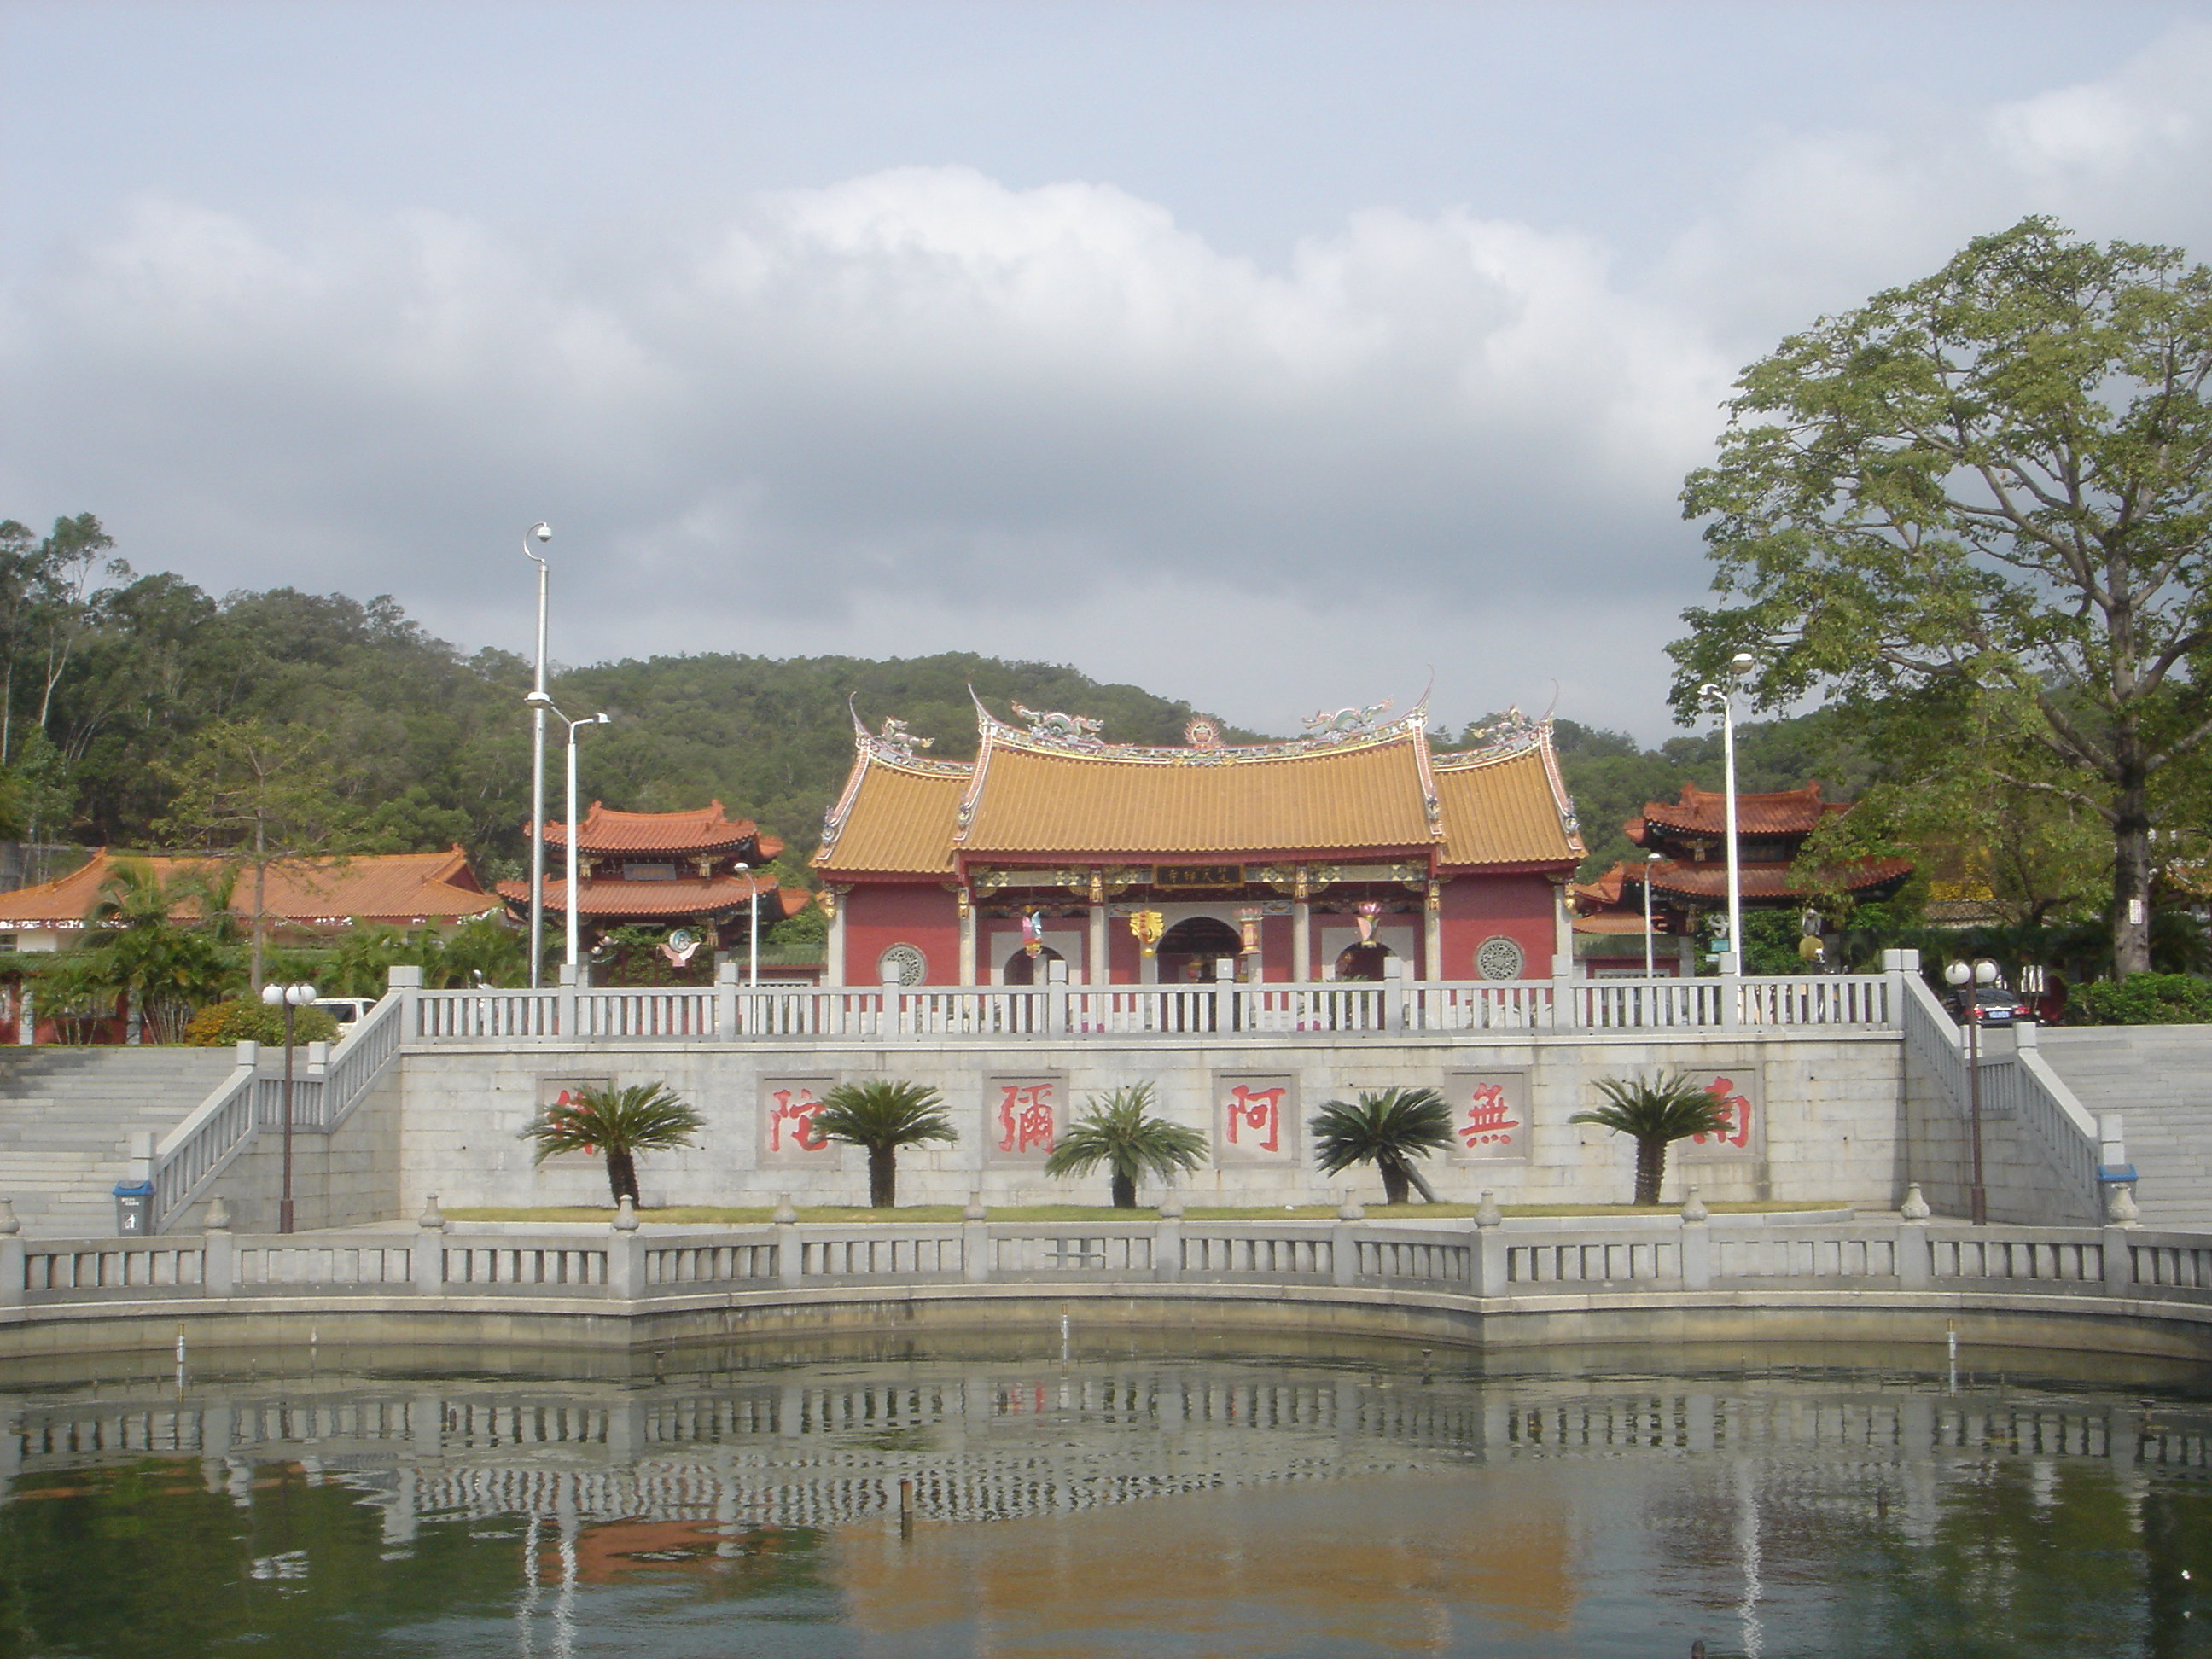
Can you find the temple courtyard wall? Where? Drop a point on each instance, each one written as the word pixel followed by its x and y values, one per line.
pixel 1824 1117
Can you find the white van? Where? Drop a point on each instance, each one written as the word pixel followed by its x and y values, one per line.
pixel 345 1010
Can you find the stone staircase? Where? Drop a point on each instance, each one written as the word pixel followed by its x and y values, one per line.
pixel 2159 1078
pixel 66 1117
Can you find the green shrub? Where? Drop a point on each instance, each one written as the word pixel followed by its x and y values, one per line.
pixel 227 1023
pixel 2142 1000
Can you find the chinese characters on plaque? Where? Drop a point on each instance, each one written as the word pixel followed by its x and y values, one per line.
pixel 1737 1091
pixel 1256 1120
pixel 787 1135
pixel 1490 1116
pixel 1022 1118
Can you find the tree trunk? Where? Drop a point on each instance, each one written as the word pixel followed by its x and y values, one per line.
pixel 882 1177
pixel 622 1176
pixel 1421 1184
pixel 1125 1191
pixel 1650 1169
pixel 1394 1180
pixel 2131 873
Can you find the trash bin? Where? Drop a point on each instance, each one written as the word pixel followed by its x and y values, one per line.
pixel 134 1208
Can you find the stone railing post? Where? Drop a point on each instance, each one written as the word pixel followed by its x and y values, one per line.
pixel 888 1017
pixel 568 1002
pixel 1916 1270
pixel 625 1254
pixel 1485 1253
pixel 725 1002
pixel 2119 1258
pixel 429 1260
pixel 790 1253
pixel 218 1251
pixel 1344 1242
pixel 1167 1238
pixel 974 1242
pixel 1055 1004
pixel 11 1257
pixel 1225 996
pixel 407 980
pixel 1566 1007
pixel 1696 1244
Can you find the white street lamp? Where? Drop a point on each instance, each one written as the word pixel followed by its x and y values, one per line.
pixel 290 998
pixel 568 873
pixel 753 971
pixel 1968 982
pixel 1651 863
pixel 541 532
pixel 1723 697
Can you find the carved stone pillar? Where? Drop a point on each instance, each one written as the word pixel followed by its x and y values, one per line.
pixel 1432 931
pixel 833 966
pixel 1301 928
pixel 966 901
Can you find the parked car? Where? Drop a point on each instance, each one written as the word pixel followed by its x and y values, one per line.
pixel 1991 1006
pixel 345 1010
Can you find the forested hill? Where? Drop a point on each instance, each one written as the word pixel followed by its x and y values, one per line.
pixel 109 681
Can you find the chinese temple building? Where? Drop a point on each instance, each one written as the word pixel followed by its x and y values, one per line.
pixel 1689 879
pixel 1331 856
pixel 699 870
pixel 304 897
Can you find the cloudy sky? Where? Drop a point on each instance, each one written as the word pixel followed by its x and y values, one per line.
pixel 1267 354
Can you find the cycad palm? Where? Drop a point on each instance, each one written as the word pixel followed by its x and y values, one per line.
pixel 1655 1114
pixel 1389 1129
pixel 883 1116
pixel 1121 1132
pixel 644 1117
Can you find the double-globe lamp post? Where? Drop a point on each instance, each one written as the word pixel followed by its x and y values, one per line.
pixel 1968 980
pixel 539 702
pixel 544 705
pixel 290 998
pixel 1722 696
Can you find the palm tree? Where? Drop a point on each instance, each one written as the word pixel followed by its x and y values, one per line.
pixel 1655 1114
pixel 883 1116
pixel 1388 1129
pixel 645 1117
pixel 1119 1132
pixel 168 967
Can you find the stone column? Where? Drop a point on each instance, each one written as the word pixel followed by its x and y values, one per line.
pixel 1432 933
pixel 1301 928
pixel 966 901
pixel 833 967
pixel 1098 969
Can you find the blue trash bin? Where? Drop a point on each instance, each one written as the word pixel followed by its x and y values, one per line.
pixel 134 1208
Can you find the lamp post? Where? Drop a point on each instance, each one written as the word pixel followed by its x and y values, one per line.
pixel 1650 863
pixel 752 929
pixel 568 872
pixel 289 997
pixel 539 702
pixel 1722 695
pixel 1969 982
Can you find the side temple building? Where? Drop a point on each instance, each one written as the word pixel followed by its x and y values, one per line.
pixel 1331 856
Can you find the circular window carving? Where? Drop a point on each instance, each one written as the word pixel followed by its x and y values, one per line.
pixel 1498 957
pixel 903 964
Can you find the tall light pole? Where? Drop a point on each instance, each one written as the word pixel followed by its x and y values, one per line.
pixel 1723 696
pixel 568 873
pixel 541 532
pixel 1969 982
pixel 291 998
pixel 752 971
pixel 1650 863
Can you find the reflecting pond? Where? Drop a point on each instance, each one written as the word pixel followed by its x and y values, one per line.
pixel 1138 1505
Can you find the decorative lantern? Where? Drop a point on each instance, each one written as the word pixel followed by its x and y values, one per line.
pixel 1148 925
pixel 1249 920
pixel 1366 910
pixel 1032 931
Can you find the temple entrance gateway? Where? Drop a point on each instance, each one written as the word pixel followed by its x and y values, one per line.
pixel 1022 969
pixel 1189 950
pixel 1363 961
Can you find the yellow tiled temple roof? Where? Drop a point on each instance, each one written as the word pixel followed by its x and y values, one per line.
pixel 1028 798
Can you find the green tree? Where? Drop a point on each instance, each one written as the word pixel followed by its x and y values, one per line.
pixel 1655 1114
pixel 1389 1128
pixel 1976 507
pixel 643 1117
pixel 168 967
pixel 883 1116
pixel 260 796
pixel 1119 1131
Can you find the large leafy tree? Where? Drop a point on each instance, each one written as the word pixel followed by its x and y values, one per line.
pixel 1976 506
pixel 1122 1131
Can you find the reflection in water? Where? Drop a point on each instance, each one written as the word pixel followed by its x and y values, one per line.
pixel 1108 1508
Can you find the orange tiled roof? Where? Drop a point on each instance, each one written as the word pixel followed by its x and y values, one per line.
pixel 705 830
pixel 1705 812
pixel 1679 879
pixel 404 888
pixel 686 896
pixel 1377 791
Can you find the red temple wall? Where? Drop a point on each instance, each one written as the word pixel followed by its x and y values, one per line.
pixel 879 917
pixel 1521 906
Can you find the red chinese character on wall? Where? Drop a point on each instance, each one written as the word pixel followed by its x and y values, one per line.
pixel 796 1112
pixel 1738 1133
pixel 1025 1118
pixel 1259 1111
pixel 1486 1122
